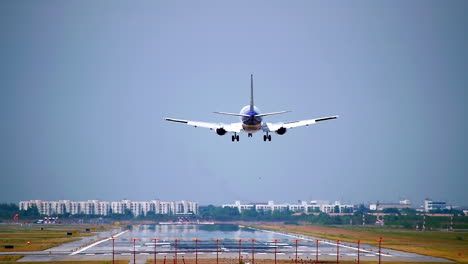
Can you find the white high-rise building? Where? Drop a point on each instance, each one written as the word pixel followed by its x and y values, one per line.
pixel 96 207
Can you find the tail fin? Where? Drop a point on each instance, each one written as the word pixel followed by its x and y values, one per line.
pixel 251 94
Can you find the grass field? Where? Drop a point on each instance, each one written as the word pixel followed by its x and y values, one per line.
pixel 50 236
pixel 449 245
pixel 10 258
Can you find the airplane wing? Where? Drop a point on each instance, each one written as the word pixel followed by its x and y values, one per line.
pixel 271 127
pixel 233 127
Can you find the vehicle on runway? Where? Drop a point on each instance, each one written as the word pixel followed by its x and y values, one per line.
pixel 251 122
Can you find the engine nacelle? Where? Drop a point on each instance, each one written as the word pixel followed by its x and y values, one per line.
pixel 281 131
pixel 221 131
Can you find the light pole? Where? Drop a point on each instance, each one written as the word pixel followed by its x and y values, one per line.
pixel 316 250
pixel 380 249
pixel 296 240
pixel 175 249
pixel 196 249
pixel 155 240
pixel 253 249
pixel 338 251
pixel 134 248
pixel 276 241
pixel 217 248
pixel 113 248
pixel 240 247
pixel 358 247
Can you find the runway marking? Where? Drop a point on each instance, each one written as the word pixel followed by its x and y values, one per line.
pixel 370 255
pixel 97 243
pixel 90 254
pixel 125 254
pixel 144 253
pixel 262 253
pixel 162 253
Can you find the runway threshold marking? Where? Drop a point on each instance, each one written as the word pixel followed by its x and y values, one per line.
pixel 97 243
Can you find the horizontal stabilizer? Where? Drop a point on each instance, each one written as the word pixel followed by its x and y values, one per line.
pixel 176 120
pixel 231 114
pixel 273 113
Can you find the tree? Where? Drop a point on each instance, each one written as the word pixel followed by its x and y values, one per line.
pixel 391 211
pixel 336 209
pixel 8 211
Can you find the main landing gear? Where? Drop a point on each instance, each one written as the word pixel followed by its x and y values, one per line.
pixel 235 137
pixel 265 137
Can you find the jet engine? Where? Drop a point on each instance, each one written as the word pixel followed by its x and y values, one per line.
pixel 221 131
pixel 281 131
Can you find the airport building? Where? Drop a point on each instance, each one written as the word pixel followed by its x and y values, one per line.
pixel 380 206
pixel 300 207
pixel 95 207
pixel 432 205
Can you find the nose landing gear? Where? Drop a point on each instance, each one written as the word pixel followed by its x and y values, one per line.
pixel 249 135
pixel 265 137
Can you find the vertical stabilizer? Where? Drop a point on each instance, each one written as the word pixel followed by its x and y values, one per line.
pixel 251 94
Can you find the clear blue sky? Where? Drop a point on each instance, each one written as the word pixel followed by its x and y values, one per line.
pixel 85 86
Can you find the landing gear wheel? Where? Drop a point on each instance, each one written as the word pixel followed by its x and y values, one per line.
pixel 269 137
pixel 264 137
pixel 232 138
pixel 237 138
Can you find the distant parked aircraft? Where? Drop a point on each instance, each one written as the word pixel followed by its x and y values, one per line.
pixel 251 122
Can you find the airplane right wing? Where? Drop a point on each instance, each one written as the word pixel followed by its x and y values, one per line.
pixel 270 127
pixel 218 127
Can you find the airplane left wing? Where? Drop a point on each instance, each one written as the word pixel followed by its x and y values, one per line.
pixel 233 127
pixel 271 127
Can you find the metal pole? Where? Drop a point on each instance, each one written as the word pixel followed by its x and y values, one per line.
pixel 253 250
pixel 296 240
pixel 240 248
pixel 217 249
pixel 451 222
pixel 316 250
pixel 275 240
pixel 380 247
pixel 155 240
pixel 113 249
pixel 338 251
pixel 358 248
pixel 196 249
pixel 175 251
pixel 424 223
pixel 134 251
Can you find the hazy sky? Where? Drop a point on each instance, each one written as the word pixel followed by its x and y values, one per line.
pixel 85 86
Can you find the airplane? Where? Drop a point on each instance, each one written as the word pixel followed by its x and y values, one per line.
pixel 251 122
